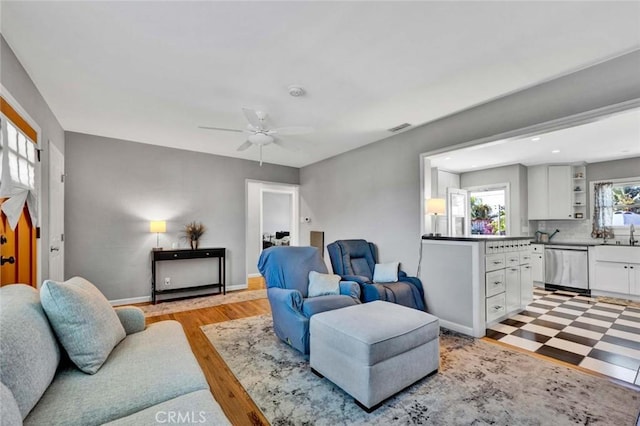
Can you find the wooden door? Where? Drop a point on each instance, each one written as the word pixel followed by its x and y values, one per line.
pixel 18 260
pixel 18 251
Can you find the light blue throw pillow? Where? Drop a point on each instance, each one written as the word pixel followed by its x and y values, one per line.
pixel 323 284
pixel 84 321
pixel 386 272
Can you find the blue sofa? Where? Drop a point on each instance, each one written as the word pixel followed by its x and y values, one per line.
pixel 286 272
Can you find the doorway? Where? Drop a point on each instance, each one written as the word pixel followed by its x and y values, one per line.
pixel 272 212
pixel 19 195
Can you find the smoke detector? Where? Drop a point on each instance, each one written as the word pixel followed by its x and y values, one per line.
pixel 296 91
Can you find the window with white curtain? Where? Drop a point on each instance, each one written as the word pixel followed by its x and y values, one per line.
pixel 615 206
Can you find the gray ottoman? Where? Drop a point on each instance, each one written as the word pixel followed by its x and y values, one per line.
pixel 374 350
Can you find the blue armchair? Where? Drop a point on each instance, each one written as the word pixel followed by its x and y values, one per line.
pixel 286 272
pixel 354 260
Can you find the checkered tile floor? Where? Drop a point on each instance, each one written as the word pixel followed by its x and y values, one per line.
pixel 579 330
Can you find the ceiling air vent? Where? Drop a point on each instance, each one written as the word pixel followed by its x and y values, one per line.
pixel 399 127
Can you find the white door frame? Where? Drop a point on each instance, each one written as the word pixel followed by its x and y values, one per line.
pixel 55 249
pixel 265 186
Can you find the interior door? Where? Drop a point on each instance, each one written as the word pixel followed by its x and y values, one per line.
pixel 458 215
pixel 56 214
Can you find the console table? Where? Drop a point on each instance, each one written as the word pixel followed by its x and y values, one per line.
pixel 184 254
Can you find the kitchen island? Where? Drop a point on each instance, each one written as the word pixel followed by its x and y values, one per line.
pixel 475 281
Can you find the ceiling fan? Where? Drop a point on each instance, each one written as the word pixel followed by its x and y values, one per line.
pixel 260 133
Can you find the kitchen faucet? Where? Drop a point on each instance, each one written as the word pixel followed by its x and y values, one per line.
pixel 632 240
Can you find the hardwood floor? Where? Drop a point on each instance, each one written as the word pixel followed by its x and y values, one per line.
pixel 255 283
pixel 236 403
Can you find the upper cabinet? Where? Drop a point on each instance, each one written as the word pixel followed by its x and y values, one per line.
pixel 556 192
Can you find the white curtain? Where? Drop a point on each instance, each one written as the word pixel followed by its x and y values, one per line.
pixel 602 210
pixel 17 174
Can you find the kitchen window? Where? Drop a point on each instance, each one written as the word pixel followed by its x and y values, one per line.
pixel 616 205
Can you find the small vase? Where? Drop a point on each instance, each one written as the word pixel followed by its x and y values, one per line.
pixel 194 244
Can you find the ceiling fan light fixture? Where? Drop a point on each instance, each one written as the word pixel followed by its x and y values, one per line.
pixel 296 91
pixel 260 139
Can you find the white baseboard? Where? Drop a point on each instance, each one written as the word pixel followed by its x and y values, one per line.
pixel 235 287
pixel 457 327
pixel 130 301
pixel 254 275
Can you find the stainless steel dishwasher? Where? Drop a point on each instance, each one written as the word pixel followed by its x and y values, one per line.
pixel 567 266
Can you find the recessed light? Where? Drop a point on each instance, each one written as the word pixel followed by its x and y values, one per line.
pixel 474 166
pixel 555 151
pixel 535 139
pixel 449 158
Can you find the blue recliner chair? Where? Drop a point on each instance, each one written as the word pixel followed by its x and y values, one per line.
pixel 354 260
pixel 286 272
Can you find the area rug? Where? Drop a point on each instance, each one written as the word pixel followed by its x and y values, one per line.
pixel 478 383
pixel 202 302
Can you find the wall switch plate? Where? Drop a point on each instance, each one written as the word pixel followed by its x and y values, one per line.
pixel 167 281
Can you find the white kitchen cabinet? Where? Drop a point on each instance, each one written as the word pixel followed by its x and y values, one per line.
pixel 526 285
pixel 552 192
pixel 512 291
pixel 616 269
pixel 634 279
pixel 537 264
pixel 537 188
pixel 560 192
pixel 611 277
pixel 467 280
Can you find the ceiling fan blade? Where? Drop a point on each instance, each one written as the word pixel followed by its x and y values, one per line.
pixel 245 146
pixel 220 128
pixel 252 117
pixel 286 145
pixel 293 130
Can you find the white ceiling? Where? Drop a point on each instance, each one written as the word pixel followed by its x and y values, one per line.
pixel 613 137
pixel 153 71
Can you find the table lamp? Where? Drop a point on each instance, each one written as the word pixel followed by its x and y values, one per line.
pixel 435 207
pixel 158 226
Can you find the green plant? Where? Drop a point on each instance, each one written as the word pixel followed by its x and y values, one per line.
pixel 479 210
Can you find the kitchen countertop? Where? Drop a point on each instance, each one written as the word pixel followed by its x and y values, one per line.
pixel 592 243
pixel 474 238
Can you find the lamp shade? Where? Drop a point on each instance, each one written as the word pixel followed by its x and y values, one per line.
pixel 435 206
pixel 158 226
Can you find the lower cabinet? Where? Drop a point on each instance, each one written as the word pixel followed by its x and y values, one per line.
pixel 512 278
pixel 508 281
pixel 496 307
pixel 616 277
pixel 526 285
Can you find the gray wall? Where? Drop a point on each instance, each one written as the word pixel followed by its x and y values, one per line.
pixel 514 176
pixel 115 187
pixel 17 82
pixel 374 192
pixel 617 169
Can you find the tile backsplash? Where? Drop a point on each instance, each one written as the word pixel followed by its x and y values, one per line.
pixel 570 230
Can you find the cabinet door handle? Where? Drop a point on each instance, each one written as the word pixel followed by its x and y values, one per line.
pixel 496 262
pixel 625 266
pixel 497 282
pixel 630 267
pixel 497 308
